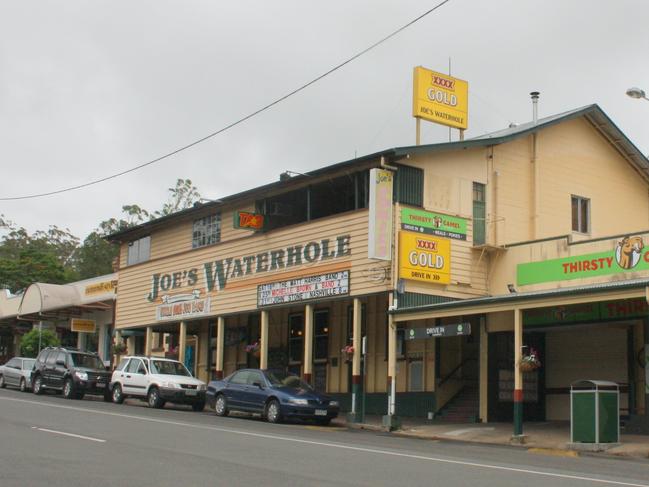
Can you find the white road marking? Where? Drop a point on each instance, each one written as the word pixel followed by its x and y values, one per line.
pixel 69 434
pixel 334 445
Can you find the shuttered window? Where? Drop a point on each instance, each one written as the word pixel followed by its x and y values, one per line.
pixel 409 187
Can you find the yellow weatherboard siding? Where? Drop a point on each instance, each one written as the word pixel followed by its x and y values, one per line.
pixel 440 98
pixel 240 294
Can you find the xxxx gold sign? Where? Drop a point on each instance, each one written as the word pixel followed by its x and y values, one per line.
pixel 440 98
pixel 423 258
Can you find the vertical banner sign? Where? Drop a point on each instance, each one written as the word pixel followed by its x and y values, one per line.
pixel 379 244
pixel 440 98
pixel 424 258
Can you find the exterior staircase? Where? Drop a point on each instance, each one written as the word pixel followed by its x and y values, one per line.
pixel 463 408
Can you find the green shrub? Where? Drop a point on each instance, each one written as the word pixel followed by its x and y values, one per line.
pixel 29 342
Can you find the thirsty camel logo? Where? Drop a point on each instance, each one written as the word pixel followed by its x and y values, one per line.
pixel 628 251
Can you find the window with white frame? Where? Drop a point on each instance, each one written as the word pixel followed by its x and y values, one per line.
pixel 580 214
pixel 206 231
pixel 139 250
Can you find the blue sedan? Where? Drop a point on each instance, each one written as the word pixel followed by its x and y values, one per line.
pixel 274 394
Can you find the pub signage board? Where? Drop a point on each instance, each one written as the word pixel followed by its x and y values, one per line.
pixel 331 285
pixel 459 329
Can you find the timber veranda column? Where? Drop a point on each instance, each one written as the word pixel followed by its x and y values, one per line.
pixel 263 357
pixel 390 420
pixel 354 415
pixel 308 343
pixel 518 374
pixel 220 343
pixel 148 342
pixel 182 341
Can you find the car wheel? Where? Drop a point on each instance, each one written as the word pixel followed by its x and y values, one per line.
pixel 154 399
pixel 68 389
pixel 37 387
pixel 273 412
pixel 118 397
pixel 2 382
pixel 221 406
pixel 23 385
pixel 198 406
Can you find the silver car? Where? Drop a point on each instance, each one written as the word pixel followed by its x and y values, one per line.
pixel 17 372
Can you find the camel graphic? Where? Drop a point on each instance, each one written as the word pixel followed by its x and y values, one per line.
pixel 628 251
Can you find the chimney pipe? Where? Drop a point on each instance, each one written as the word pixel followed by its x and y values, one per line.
pixel 535 106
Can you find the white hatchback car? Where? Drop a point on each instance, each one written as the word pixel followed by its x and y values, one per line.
pixel 156 380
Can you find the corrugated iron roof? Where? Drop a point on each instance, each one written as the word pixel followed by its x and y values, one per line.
pixel 593 113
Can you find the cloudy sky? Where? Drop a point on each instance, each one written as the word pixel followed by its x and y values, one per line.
pixel 88 89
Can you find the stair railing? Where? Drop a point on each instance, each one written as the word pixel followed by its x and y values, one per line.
pixel 456 369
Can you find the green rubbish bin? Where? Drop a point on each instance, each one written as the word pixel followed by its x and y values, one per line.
pixel 594 412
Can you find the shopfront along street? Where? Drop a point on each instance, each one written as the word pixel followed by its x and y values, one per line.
pixel 483 289
pixel 49 441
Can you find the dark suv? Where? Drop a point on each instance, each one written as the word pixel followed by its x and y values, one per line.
pixel 70 371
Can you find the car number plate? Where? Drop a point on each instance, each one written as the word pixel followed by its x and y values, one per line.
pixel 100 385
pixel 190 392
pixel 320 412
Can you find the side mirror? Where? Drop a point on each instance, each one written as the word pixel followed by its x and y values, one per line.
pixel 258 384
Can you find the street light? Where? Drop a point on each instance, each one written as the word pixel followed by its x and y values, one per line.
pixel 636 93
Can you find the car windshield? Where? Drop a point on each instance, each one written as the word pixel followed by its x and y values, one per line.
pixel 284 379
pixel 28 364
pixel 85 360
pixel 168 367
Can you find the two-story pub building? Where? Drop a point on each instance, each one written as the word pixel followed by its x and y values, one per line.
pixel 417 277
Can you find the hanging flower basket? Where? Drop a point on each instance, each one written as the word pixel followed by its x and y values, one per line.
pixel 119 348
pixel 531 362
pixel 348 352
pixel 254 349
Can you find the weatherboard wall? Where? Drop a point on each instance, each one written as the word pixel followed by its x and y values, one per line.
pixel 240 294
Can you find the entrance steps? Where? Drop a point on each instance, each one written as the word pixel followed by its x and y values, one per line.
pixel 463 408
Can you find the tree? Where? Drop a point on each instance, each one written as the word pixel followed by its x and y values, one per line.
pixel 183 196
pixel 29 345
pixel 56 255
pixel 44 256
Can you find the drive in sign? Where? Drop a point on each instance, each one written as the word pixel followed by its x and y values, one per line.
pixel 440 331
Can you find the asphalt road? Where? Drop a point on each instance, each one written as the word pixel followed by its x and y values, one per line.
pixel 46 440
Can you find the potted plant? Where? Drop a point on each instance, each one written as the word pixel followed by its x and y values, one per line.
pixel 253 348
pixel 530 362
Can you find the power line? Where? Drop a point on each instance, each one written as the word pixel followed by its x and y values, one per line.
pixel 233 124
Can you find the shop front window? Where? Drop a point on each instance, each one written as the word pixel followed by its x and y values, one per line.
pixel 296 338
pixel 321 331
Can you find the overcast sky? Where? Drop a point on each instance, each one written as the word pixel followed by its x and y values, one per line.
pixel 90 88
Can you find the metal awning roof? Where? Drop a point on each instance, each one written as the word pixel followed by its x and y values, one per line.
pixel 516 299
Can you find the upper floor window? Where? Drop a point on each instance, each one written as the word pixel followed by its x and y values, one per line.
pixel 319 200
pixel 206 231
pixel 580 214
pixel 139 250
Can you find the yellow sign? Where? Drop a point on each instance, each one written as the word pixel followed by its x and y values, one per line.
pixel 440 98
pixel 83 326
pixel 424 258
pixel 101 288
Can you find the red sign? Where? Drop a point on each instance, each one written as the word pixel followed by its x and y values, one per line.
pixel 244 219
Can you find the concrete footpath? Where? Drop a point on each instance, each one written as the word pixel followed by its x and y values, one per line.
pixel 549 438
